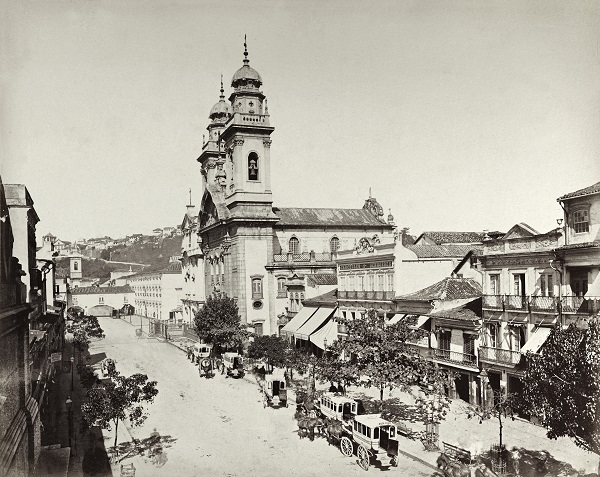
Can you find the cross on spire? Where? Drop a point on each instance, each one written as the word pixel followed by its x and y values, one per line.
pixel 222 90
pixel 246 60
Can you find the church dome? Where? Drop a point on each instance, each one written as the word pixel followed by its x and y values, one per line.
pixel 246 73
pixel 221 110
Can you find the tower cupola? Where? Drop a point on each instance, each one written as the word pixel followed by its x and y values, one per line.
pixel 221 111
pixel 246 78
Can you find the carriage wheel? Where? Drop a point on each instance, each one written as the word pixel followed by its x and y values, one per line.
pixel 363 457
pixel 346 447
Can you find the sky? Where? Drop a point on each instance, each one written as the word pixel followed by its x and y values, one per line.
pixel 459 115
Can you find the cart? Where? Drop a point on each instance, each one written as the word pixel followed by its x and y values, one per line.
pixel 371 439
pixel 274 390
pixel 233 365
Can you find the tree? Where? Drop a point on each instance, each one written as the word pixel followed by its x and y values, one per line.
pixel 83 328
pixel 218 323
pixel 271 348
pixel 120 398
pixel 332 368
pixel 500 408
pixel 381 352
pixel 561 386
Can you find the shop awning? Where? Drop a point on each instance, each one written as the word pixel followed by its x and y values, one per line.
pixel 536 340
pixel 315 321
pixel 594 289
pixel 328 332
pixel 421 322
pixel 297 321
pixel 395 319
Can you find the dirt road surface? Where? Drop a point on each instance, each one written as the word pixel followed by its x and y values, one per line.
pixel 218 427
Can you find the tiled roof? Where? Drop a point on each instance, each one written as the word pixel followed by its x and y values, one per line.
pixel 332 217
pixel 101 290
pixel 453 237
pixel 468 312
pixel 443 251
pixel 593 189
pixel 326 299
pixel 322 279
pixel 174 267
pixel 447 289
pixel 594 244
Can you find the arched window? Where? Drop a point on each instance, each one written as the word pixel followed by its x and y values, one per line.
pixel 294 245
pixel 257 290
pixel 334 244
pixel 252 166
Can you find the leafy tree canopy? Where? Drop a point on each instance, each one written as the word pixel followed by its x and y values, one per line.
pixel 119 399
pixel 218 322
pixel 271 348
pixel 380 352
pixel 562 385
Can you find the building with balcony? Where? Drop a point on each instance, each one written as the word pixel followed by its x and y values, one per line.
pixel 259 254
pixel 578 259
pixel 377 270
pixel 450 310
pixel 19 426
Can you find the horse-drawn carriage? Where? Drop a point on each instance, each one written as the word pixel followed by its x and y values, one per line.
pixel 372 439
pixel 274 389
pixel 201 355
pixel 336 406
pixel 233 365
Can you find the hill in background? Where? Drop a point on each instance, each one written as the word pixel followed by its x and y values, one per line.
pixel 156 253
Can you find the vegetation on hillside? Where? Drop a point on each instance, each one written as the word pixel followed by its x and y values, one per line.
pixel 156 254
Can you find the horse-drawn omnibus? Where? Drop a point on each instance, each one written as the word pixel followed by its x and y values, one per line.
pixel 372 438
pixel 336 406
pixel 274 388
pixel 233 365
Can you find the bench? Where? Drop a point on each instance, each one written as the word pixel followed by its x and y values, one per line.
pixel 404 430
pixel 127 470
pixel 458 453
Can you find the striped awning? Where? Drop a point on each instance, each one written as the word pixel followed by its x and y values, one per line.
pixel 315 322
pixel 297 321
pixel 329 332
pixel 536 340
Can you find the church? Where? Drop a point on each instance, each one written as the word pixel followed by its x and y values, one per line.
pixel 239 243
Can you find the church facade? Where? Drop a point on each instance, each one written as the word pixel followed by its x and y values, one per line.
pixel 261 255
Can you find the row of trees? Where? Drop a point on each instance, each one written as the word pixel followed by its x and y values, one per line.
pixel 561 385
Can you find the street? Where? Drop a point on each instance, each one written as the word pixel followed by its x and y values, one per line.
pixel 218 427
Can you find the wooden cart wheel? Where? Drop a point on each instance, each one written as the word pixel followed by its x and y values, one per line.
pixel 346 447
pixel 363 457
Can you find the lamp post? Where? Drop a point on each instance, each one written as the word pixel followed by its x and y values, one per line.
pixel 484 377
pixel 68 404
pixel 72 366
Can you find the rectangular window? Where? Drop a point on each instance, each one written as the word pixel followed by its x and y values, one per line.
pixel 444 340
pixel 281 288
pixel 361 282
pixel 492 333
pixel 546 285
pixel 495 284
pixel 380 285
pixel 258 329
pixel 519 284
pixel 257 291
pixel 390 282
pixel 468 345
pixel 371 282
pixel 100 299
pixel 581 221
pixel 351 285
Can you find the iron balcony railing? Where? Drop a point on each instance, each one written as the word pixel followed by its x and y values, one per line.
pixel 365 295
pixel 494 302
pixel 455 357
pixel 499 355
pixel 543 303
pixel 552 304
pixel 302 257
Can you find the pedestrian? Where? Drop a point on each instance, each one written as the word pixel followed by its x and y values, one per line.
pixel 516 457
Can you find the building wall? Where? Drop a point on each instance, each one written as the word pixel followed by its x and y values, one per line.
pixel 590 203
pixel 116 300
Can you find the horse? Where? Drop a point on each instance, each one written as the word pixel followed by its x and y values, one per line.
pixel 334 429
pixel 451 468
pixel 309 423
